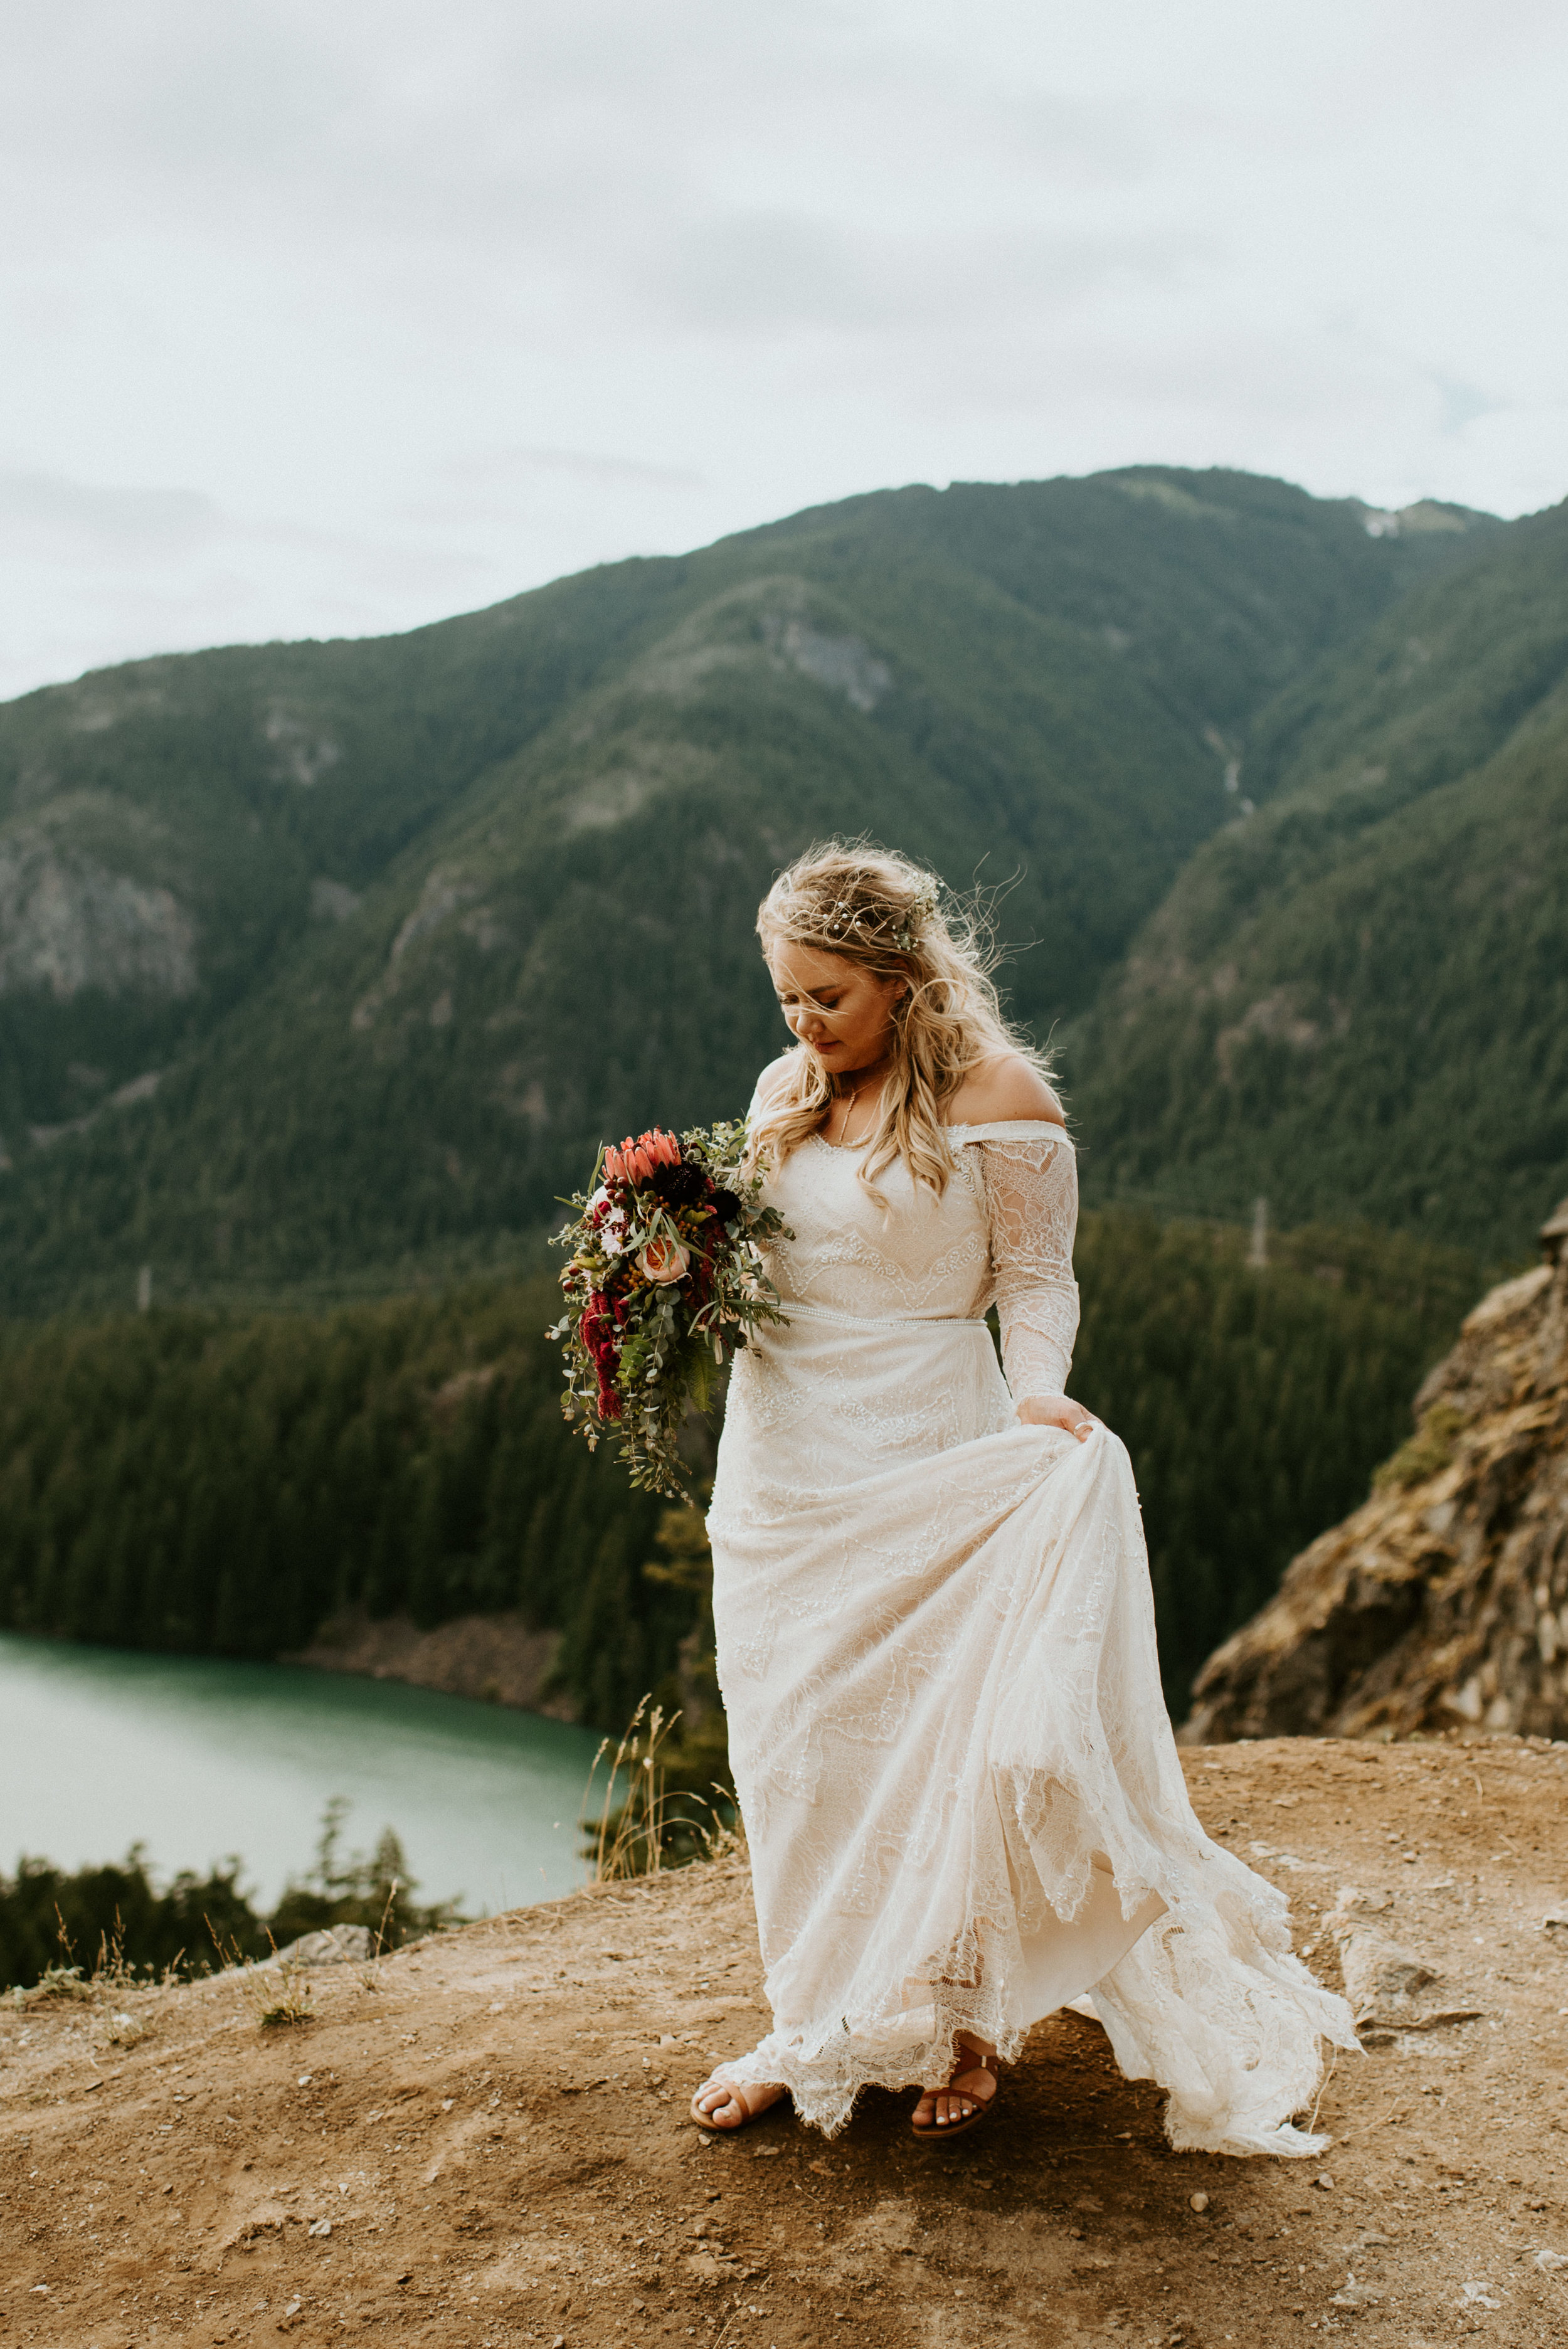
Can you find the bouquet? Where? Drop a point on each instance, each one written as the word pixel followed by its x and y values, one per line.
pixel 665 1282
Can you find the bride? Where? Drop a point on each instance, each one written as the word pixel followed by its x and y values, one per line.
pixel 936 1633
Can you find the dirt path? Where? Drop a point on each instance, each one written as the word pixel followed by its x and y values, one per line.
pixel 490 2145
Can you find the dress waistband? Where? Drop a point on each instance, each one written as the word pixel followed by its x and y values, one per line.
pixel 828 1313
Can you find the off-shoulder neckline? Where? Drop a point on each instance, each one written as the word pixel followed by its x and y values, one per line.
pixel 1011 1126
pixel 1004 1129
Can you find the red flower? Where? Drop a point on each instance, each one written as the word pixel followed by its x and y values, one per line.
pixel 599 1338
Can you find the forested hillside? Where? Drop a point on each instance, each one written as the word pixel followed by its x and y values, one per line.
pixel 1359 995
pixel 175 1481
pixel 319 957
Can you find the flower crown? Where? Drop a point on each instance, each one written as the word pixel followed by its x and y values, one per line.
pixel 845 919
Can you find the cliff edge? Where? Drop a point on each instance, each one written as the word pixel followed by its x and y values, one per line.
pixel 1444 1600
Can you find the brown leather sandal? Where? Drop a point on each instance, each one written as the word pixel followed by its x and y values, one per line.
pixel 940 2132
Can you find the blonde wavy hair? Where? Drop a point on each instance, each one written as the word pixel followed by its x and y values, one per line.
pixel 889 916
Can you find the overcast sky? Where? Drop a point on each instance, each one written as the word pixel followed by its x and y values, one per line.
pixel 328 316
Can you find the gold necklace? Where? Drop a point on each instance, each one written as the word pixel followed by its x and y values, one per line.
pixel 844 1140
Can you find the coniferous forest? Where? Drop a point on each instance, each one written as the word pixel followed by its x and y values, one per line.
pixel 60 1927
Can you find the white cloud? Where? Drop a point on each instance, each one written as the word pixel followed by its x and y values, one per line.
pixel 62 515
pixel 354 314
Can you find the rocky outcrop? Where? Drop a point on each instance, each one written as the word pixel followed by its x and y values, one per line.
pixel 68 922
pixel 496 1658
pixel 1444 1600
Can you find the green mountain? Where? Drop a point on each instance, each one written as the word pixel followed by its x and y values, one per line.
pixel 1355 999
pixel 326 960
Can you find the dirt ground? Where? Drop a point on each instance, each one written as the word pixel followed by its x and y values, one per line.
pixel 484 2141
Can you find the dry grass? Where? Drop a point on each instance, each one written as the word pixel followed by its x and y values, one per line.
pixel 640 1823
pixel 633 1823
pixel 276 1989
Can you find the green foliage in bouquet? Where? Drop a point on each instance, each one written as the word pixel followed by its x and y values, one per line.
pixel 665 1283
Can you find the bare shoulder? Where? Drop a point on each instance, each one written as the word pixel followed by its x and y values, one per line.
pixel 1004 1091
pixel 774 1075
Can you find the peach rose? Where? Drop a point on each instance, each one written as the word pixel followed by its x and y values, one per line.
pixel 664 1260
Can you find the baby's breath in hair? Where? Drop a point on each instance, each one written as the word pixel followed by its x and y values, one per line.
pixel 865 920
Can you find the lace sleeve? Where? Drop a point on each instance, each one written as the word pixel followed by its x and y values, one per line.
pixel 1031 1201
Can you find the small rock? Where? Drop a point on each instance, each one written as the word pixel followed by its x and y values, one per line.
pixel 1549 2261
pixel 293 2307
pixel 1197 2202
pixel 337 1945
pixel 319 2226
pixel 1380 1975
pixel 1325 2180
pixel 446 2102
pixel 306 2078
pixel 1356 1900
pixel 1477 2296
pixel 1355 2295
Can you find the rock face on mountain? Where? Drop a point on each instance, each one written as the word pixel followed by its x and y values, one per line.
pixel 1443 1601
pixel 68 923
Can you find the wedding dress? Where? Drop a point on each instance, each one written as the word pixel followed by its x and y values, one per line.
pixel 936 1649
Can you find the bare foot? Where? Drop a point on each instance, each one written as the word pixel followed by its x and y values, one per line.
pixel 718 2105
pixel 970 2087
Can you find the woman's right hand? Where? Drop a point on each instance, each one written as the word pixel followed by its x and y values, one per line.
pixel 1058 1411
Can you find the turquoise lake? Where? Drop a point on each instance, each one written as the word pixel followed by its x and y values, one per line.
pixel 195 1759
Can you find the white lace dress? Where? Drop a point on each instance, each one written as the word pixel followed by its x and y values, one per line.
pixel 936 1648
